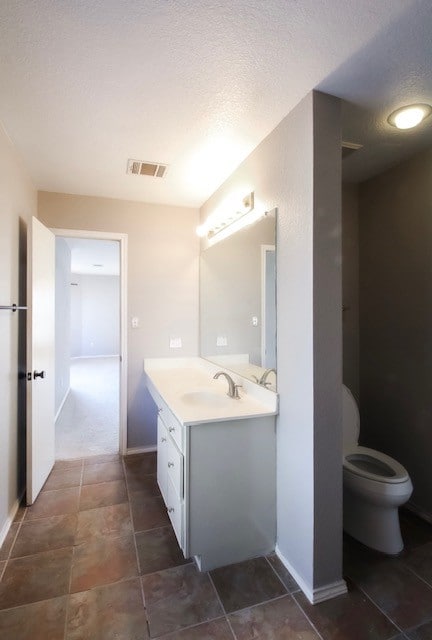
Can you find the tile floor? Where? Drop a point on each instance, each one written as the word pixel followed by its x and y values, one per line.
pixel 96 559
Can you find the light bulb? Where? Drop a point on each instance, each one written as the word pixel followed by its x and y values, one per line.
pixel 409 117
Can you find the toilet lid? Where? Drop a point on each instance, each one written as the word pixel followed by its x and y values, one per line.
pixel 350 419
pixel 374 465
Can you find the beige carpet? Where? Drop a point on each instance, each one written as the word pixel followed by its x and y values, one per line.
pixel 88 423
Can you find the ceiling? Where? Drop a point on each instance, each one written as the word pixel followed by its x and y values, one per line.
pixel 94 257
pixel 197 85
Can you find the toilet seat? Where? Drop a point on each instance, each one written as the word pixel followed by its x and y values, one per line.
pixel 374 465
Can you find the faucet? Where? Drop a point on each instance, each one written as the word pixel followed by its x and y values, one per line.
pixel 232 386
pixel 263 380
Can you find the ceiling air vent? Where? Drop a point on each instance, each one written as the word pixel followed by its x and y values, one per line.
pixel 349 147
pixel 141 168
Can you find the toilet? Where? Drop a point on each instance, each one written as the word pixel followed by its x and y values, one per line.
pixel 374 487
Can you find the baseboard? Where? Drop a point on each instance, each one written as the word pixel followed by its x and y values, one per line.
pixel 319 594
pixel 61 404
pixel 135 450
pixel 107 355
pixel 9 520
pixel 418 511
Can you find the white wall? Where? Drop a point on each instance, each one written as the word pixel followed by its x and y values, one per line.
pixel 17 205
pixel 62 328
pixel 297 169
pixel 95 315
pixel 162 283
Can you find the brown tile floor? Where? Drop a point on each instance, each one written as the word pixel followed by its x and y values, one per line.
pixel 96 559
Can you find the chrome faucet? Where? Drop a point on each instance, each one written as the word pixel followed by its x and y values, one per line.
pixel 263 380
pixel 232 386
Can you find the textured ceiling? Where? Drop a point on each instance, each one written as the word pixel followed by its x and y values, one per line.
pixel 85 85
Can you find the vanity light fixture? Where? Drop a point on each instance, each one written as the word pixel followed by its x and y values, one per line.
pixel 410 116
pixel 228 224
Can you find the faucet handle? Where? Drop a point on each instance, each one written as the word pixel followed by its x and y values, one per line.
pixel 236 388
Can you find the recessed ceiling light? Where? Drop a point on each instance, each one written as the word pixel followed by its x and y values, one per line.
pixel 410 116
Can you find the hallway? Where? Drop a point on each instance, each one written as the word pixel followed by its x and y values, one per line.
pixel 88 423
pixel 96 559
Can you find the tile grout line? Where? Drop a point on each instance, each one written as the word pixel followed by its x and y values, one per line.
pixel 171 634
pixel 221 604
pixel 136 548
pixel 280 579
pixel 72 556
pixel 377 606
pixel 8 557
pixel 306 615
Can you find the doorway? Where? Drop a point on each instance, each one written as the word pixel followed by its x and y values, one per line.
pixel 90 394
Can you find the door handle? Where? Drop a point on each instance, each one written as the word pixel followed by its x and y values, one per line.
pixel 38 374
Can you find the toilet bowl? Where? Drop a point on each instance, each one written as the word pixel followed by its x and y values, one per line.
pixel 375 486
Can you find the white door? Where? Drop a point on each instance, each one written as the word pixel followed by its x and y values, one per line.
pixel 40 356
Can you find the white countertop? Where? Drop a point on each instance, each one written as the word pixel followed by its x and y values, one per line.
pixel 188 388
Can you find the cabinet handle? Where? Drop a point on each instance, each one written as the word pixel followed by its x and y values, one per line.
pixel 170 464
pixel 170 509
pixel 171 429
pixel 163 439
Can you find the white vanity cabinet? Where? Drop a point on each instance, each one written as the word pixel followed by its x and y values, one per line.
pixel 218 481
pixel 170 466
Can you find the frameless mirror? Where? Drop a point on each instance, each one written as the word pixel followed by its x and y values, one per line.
pixel 238 302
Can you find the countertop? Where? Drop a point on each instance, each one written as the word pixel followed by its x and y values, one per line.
pixel 188 388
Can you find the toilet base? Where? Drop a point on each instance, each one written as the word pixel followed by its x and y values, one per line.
pixel 377 527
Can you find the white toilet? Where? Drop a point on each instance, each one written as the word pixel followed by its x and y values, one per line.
pixel 374 486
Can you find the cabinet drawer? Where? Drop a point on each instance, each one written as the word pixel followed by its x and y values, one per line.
pixel 175 467
pixel 175 511
pixel 172 424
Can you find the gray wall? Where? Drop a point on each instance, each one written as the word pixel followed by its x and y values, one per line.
pixel 163 256
pixel 62 326
pixel 297 169
pixel 350 286
pixel 95 315
pixel 396 318
pixel 17 205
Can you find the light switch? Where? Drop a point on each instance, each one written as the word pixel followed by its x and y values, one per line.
pixel 135 322
pixel 175 343
pixel 221 341
pixel 254 321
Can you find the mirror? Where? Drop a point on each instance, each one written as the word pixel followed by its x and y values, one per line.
pixel 238 302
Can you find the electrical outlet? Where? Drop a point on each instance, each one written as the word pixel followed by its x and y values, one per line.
pixel 135 322
pixel 175 343
pixel 254 321
pixel 221 341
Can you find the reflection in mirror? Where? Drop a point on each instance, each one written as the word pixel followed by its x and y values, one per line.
pixel 238 302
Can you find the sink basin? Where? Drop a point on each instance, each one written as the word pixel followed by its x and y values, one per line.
pixel 204 398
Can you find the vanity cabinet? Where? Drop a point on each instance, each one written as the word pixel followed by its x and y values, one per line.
pixel 170 467
pixel 218 481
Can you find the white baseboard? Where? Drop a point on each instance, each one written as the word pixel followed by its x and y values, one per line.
pixel 9 520
pixel 61 404
pixel 135 450
pixel 319 594
pixel 107 355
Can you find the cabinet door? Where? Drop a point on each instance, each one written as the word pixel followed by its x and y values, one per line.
pixel 162 459
pixel 174 508
pixel 175 467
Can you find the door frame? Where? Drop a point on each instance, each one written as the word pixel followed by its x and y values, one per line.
pixel 122 239
pixel 265 249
